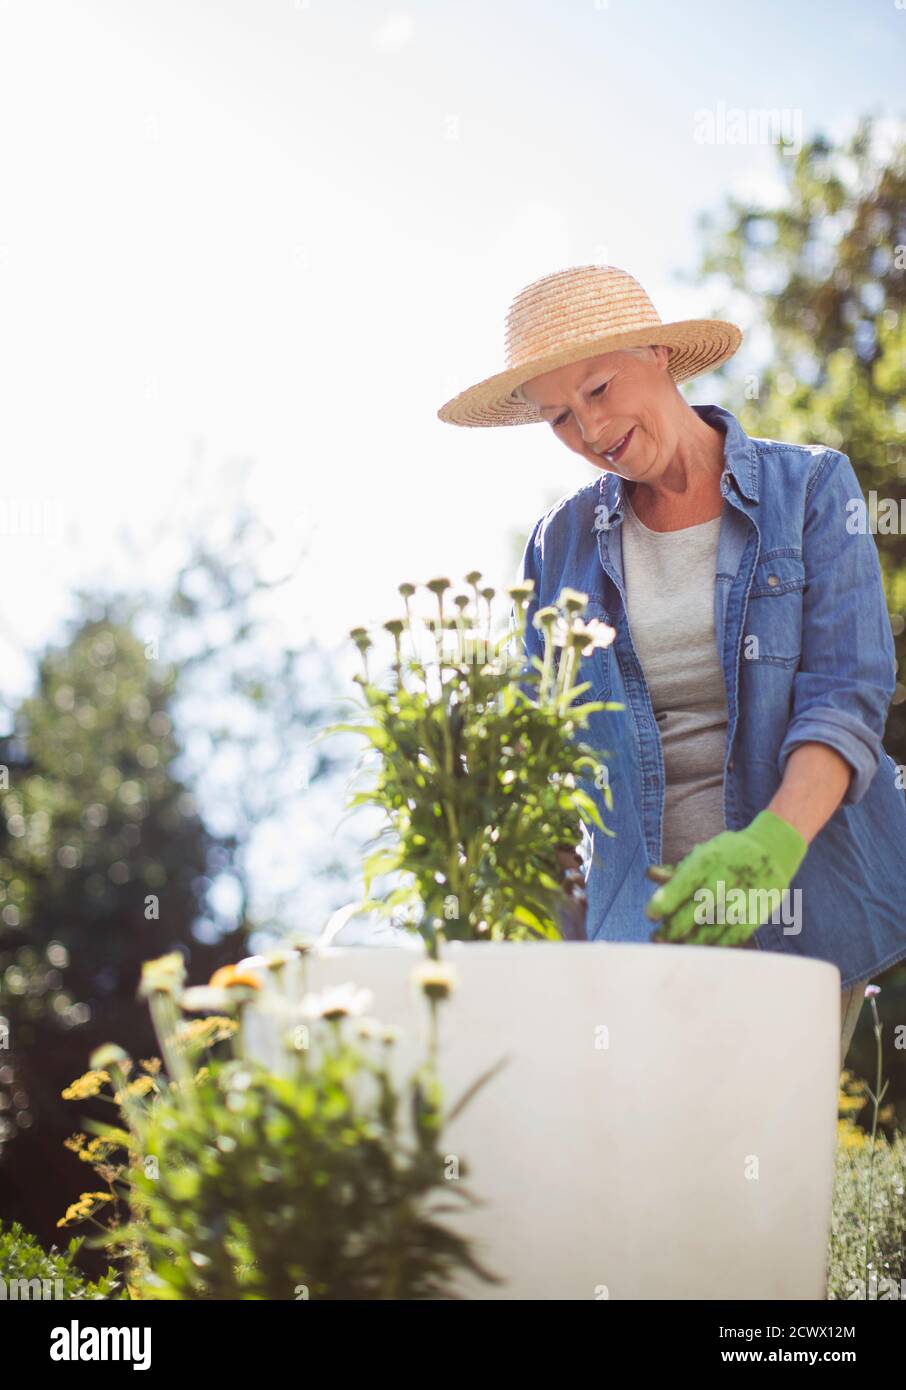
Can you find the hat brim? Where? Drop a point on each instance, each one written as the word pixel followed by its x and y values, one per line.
pixel 697 346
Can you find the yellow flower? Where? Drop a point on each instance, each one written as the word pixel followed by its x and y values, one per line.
pixel 85 1086
pixel 139 1087
pixel 165 975
pixel 850 1136
pixel 86 1206
pixel 851 1098
pixel 151 1065
pixel 195 1080
pixel 229 976
pixel 851 1095
pixel 204 1032
pixel 97 1150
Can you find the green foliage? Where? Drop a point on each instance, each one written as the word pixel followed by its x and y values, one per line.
pixel 22 1258
pixel 281 1187
pixel 846 1248
pixel 101 855
pixel 867 1250
pixel 96 816
pixel 480 765
pixel 320 1177
pixel 33 1005
pixel 116 759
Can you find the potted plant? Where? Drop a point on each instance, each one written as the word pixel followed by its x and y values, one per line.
pixel 481 767
pixel 637 1142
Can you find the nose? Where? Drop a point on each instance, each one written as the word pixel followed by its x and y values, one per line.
pixel 591 427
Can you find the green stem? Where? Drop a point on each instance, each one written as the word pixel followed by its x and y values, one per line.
pixel 565 677
pixel 165 1016
pixel 131 1110
pixel 449 811
pixel 874 1130
pixel 547 673
pixel 432 1031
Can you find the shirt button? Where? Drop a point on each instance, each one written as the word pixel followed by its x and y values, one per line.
pixel 730 765
pixel 773 580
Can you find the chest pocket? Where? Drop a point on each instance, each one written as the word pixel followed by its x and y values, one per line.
pixel 599 667
pixel 772 632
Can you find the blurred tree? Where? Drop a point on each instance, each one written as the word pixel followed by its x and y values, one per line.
pixel 133 784
pixel 102 855
pixel 249 704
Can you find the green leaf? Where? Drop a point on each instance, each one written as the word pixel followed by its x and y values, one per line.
pixel 111 1132
pixel 585 803
pixel 381 861
pixel 475 1087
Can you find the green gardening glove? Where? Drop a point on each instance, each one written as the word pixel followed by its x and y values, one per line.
pixel 763 857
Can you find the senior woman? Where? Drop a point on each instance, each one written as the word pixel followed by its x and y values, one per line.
pixel 752 650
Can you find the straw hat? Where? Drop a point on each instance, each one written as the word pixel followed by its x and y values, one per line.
pixel 577 313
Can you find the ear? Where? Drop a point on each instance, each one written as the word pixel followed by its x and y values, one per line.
pixel 661 354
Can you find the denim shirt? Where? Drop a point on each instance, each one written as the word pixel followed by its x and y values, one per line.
pixel 791 574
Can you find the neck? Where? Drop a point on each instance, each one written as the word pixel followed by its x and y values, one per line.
pixel 688 490
pixel 696 464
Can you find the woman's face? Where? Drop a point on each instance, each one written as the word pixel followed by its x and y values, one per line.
pixel 615 410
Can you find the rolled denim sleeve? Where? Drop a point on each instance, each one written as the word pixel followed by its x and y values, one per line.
pixel 847 672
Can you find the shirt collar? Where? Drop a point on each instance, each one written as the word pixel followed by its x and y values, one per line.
pixel 740 464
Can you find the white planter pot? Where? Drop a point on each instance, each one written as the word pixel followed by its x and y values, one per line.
pixel 665 1125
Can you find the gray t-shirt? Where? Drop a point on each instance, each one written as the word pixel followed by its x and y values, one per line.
pixel 669 579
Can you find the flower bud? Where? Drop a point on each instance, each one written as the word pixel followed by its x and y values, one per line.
pixel 572 600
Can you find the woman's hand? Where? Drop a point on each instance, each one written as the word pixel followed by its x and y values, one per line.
pixel 763 857
pixel 568 859
pixel 572 913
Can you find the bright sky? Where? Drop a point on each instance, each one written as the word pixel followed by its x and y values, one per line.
pixel 286 231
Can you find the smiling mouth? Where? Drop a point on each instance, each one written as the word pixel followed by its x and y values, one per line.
pixel 611 455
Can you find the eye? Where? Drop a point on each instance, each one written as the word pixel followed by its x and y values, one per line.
pixel 596 392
